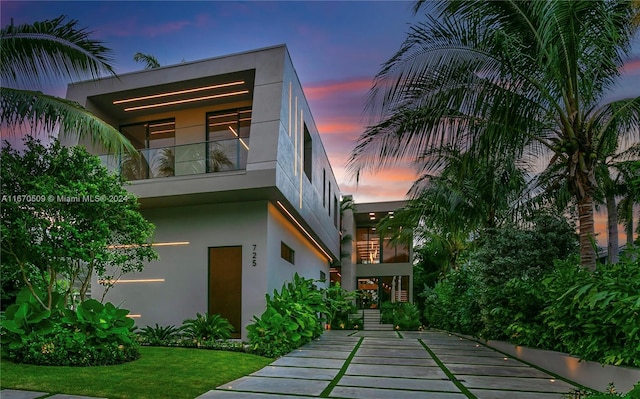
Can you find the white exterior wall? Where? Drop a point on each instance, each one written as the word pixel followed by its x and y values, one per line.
pixel 185 267
pixel 308 260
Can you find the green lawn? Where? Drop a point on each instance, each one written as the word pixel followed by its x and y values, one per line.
pixel 159 373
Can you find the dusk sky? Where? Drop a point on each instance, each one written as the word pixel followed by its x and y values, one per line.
pixel 336 47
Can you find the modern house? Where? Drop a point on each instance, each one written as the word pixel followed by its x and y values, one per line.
pixel 381 269
pixel 234 176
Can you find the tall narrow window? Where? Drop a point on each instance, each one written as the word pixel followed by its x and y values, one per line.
pixel 308 153
pixel 336 212
pixel 330 197
pixel 324 187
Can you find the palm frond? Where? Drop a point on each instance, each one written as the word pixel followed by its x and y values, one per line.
pixel 50 51
pixel 32 107
pixel 149 61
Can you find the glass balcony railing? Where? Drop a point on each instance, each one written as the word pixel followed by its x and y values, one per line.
pixel 181 160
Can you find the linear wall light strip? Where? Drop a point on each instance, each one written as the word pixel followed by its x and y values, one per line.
pixel 187 100
pixel 162 124
pixel 305 231
pixel 239 138
pixel 155 244
pixel 164 131
pixel 174 93
pixel 134 316
pixel 142 280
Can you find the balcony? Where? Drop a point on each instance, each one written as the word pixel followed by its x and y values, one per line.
pixel 181 160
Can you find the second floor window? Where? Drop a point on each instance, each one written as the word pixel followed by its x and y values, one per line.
pixel 228 135
pixel 156 142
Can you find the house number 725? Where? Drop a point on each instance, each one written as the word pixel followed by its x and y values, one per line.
pixel 254 256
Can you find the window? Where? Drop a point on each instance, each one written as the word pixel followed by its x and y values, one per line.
pixel 394 253
pixel 228 134
pixel 287 253
pixel 335 211
pixel 323 276
pixel 156 142
pixel 308 151
pixel 330 197
pixel 324 187
pixel 372 249
pixel 367 245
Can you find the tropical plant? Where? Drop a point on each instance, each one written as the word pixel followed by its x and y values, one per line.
pixel 595 315
pixel 406 317
pixel 525 78
pixel 339 303
pixel 290 320
pixel 49 52
pixel 159 335
pixel 92 334
pixel 207 327
pixel 149 61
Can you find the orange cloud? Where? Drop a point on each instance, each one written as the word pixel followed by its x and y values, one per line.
pixel 324 90
pixel 337 126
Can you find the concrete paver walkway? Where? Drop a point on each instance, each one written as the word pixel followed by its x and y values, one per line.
pixel 381 365
pixel 385 364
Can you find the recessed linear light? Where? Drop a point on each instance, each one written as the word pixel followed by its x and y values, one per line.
pixel 173 93
pixel 155 244
pixel 134 316
pixel 164 131
pixel 142 280
pixel 161 124
pixel 239 138
pixel 187 100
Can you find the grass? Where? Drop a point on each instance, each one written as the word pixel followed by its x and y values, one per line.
pixel 159 373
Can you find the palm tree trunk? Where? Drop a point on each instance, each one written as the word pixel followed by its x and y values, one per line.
pixel 587 233
pixel 612 229
pixel 629 229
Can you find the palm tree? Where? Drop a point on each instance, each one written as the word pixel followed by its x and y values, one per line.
pixel 150 62
pixel 525 78
pixel 53 51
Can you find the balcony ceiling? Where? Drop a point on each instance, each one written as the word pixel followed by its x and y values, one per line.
pixel 170 97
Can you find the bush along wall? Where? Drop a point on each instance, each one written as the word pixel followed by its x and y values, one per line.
pixel 592 315
pixel 291 319
pixel 93 334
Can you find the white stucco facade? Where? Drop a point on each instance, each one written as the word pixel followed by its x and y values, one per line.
pixel 280 191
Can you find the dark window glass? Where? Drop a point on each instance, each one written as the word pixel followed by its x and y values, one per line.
pixel 228 134
pixel 287 253
pixel 308 151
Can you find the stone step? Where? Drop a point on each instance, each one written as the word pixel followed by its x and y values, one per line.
pixel 378 327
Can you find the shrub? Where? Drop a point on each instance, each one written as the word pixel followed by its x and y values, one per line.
pixel 93 334
pixel 387 310
pixel 159 335
pixel 595 315
pixel 453 303
pixel 290 320
pixel 407 317
pixel 207 327
pixel 67 347
pixel 339 305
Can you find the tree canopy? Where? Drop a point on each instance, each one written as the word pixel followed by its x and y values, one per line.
pixel 64 216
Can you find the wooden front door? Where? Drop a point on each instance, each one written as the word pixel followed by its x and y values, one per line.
pixel 225 285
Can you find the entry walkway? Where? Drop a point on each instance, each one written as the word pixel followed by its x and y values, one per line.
pixel 386 364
